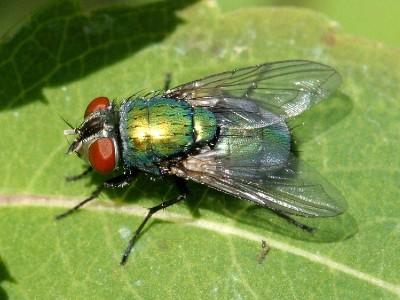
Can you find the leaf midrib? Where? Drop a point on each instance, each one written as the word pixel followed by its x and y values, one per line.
pixel 216 227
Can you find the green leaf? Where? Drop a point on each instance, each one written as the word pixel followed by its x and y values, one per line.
pixel 209 248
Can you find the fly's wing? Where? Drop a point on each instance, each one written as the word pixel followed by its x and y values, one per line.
pixel 285 88
pixel 251 160
pixel 294 188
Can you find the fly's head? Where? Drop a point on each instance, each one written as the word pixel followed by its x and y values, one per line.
pixel 96 137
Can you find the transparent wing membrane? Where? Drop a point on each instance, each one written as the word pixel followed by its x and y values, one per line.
pixel 285 88
pixel 294 188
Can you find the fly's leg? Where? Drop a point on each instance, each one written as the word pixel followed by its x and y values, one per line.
pixel 152 211
pixel 94 195
pixel 120 181
pixel 294 222
pixel 167 81
pixel 116 182
pixel 79 176
pixel 181 184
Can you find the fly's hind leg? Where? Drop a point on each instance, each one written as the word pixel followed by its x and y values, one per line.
pixel 181 185
pixel 294 221
pixel 116 182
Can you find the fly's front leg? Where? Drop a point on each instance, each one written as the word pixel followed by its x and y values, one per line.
pixel 79 176
pixel 94 195
pixel 116 182
pixel 181 185
pixel 120 181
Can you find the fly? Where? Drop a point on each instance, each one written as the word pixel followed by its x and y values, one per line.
pixel 228 131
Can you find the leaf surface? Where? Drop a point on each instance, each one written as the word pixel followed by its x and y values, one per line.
pixel 209 248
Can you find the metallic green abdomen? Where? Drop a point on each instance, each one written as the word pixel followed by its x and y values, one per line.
pixel 158 128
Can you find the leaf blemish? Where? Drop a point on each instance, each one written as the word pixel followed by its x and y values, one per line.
pixel 138 282
pixel 124 233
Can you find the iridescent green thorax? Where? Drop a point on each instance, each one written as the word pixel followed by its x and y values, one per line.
pixel 205 125
pixel 155 129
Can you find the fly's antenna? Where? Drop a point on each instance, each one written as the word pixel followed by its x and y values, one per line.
pixel 66 122
pixel 72 129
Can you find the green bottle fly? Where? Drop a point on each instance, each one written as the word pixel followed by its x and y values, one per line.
pixel 228 131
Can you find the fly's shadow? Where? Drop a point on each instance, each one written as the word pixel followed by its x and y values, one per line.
pixel 202 199
pixel 320 119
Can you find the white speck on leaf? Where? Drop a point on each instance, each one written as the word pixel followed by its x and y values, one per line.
pixel 235 278
pixel 334 24
pixel 125 233
pixel 180 50
pixel 138 282
pixel 239 49
pixel 373 121
pixel 212 3
pixel 222 53
pixel 317 51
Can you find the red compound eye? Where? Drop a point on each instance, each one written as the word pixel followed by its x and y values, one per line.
pixel 97 104
pixel 102 155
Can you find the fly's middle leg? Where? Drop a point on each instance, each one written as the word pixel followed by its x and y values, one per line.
pixel 79 176
pixel 181 184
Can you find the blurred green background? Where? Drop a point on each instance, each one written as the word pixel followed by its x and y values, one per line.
pixel 371 19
